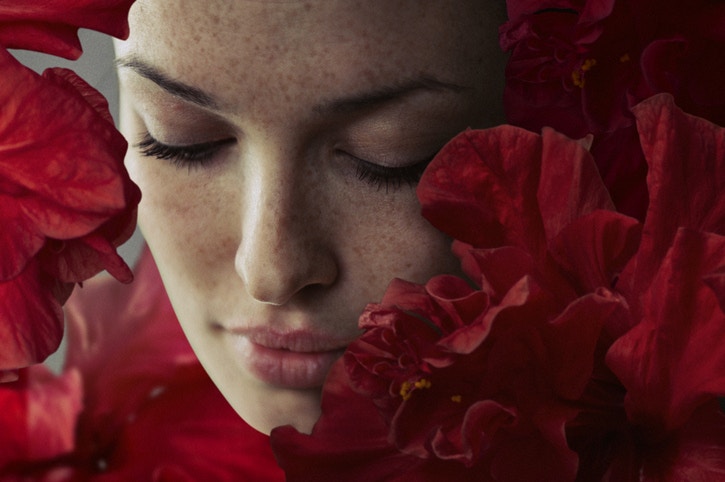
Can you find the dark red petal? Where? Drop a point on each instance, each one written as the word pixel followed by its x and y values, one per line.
pixel 19 240
pixel 570 186
pixel 342 447
pixel 490 176
pixel 572 340
pixel 31 320
pixel 594 249
pixel 674 360
pixel 686 178
pixel 697 452
pixel 77 260
pixel 716 282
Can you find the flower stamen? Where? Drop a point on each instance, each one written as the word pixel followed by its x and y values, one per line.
pixel 578 75
pixel 408 387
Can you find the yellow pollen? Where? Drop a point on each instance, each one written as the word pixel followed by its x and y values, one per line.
pixel 407 388
pixel 456 398
pixel 423 383
pixel 625 58
pixel 577 76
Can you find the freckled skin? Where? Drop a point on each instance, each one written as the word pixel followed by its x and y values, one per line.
pixel 280 229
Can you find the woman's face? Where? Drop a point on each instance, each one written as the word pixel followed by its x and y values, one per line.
pixel 277 146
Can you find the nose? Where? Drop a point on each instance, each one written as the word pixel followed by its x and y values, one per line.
pixel 284 252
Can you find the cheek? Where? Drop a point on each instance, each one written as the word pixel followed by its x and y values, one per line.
pixel 395 241
pixel 188 222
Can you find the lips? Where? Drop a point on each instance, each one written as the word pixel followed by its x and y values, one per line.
pixel 296 360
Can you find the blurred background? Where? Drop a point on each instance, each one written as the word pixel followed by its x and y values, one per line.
pixel 96 67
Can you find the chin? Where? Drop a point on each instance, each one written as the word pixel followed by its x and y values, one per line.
pixel 272 407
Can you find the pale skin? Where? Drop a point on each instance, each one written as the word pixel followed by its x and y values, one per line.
pixel 293 203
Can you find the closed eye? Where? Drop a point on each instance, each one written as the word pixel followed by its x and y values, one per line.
pixel 186 156
pixel 387 177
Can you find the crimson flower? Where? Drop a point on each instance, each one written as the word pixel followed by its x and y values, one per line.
pixel 133 402
pixel 66 198
pixel 580 66
pixel 476 379
pixel 585 345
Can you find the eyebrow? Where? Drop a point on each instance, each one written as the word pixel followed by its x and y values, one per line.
pixel 346 104
pixel 174 87
pixel 387 93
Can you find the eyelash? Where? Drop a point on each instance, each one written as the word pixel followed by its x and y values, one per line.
pixel 191 156
pixel 197 155
pixel 382 177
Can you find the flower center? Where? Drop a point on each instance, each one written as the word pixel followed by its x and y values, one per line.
pixel 408 387
pixel 578 75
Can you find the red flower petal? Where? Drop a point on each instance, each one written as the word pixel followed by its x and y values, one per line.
pixel 136 351
pixel 674 360
pixel 32 323
pixel 594 249
pixel 187 429
pixel 479 175
pixel 341 447
pixel 685 155
pixel 570 186
pixel 69 171
pixel 23 240
pixel 495 270
pixel 39 415
pixel 51 26
pixel 66 202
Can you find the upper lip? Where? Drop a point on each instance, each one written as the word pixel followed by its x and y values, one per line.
pixel 298 340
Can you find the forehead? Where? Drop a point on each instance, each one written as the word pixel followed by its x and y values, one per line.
pixel 318 43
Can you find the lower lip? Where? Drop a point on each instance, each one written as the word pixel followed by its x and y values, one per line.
pixel 283 368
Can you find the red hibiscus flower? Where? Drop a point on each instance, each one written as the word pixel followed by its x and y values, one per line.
pixel 467 379
pixel 133 403
pixel 66 198
pixel 580 67
pixel 589 347
pixel 670 367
